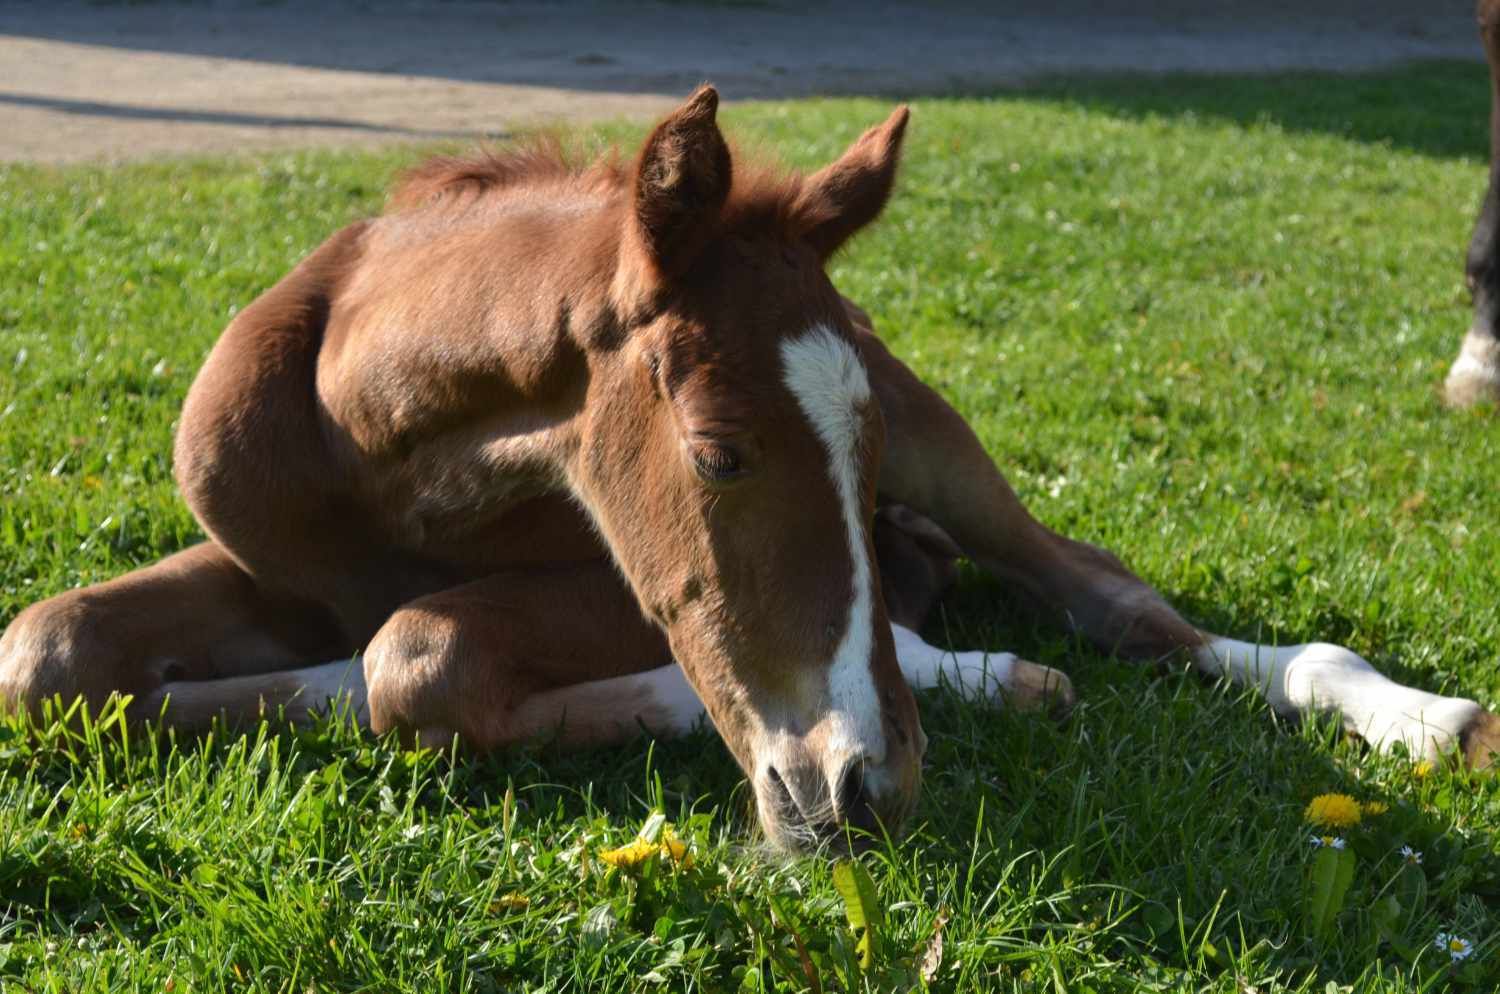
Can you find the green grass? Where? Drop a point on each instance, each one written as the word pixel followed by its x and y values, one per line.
pixel 1199 322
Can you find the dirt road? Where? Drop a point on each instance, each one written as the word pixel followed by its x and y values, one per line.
pixel 81 81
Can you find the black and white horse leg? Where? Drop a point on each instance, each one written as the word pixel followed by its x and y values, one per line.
pixel 1475 374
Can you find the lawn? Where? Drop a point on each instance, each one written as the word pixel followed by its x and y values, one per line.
pixel 1201 322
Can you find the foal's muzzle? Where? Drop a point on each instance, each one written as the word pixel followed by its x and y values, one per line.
pixel 803 809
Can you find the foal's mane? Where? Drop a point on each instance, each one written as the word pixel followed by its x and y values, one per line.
pixel 443 179
pixel 761 198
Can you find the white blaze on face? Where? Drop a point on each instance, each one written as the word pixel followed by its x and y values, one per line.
pixel 826 375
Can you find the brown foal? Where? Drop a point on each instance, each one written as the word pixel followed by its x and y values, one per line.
pixel 569 451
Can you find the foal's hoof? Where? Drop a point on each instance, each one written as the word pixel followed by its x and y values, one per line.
pixel 1480 742
pixel 1475 375
pixel 1034 687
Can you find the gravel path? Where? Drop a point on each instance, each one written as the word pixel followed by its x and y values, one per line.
pixel 80 81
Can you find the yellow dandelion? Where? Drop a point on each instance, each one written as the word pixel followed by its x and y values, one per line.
pixel 1332 811
pixel 1375 807
pixel 631 854
pixel 1422 770
pixel 674 847
pixel 635 853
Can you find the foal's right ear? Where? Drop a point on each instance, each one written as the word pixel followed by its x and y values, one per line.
pixel 839 199
pixel 681 182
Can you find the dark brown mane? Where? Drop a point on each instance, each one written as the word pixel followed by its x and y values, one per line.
pixel 761 200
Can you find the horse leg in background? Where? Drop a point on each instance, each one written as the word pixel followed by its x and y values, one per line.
pixel 194 615
pixel 935 465
pixel 1475 375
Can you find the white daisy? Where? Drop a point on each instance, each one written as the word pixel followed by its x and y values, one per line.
pixel 1411 855
pixel 1456 946
pixel 1331 841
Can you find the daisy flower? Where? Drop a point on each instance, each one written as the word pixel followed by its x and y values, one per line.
pixel 1332 811
pixel 1456 946
pixel 1411 855
pixel 1328 841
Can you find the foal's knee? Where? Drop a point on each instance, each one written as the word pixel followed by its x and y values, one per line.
pixel 422 684
pixel 54 649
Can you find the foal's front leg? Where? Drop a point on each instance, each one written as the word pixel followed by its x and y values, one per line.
pixel 934 464
pixel 561 654
pixel 566 654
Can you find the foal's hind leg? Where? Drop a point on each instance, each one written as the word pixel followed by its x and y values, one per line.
pixel 194 615
pixel 934 464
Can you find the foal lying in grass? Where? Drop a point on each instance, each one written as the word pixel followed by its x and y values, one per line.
pixel 576 451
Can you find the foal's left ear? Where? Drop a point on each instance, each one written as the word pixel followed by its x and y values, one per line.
pixel 681 181
pixel 839 199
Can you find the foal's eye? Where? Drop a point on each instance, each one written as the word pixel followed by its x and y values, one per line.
pixel 717 463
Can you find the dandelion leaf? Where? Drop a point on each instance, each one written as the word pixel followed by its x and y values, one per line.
pixel 1328 882
pixel 861 906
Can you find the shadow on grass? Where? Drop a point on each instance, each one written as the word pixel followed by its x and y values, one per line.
pixel 1432 108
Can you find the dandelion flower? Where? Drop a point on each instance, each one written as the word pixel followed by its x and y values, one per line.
pixel 1375 807
pixel 1456 946
pixel 1411 855
pixel 631 854
pixel 1332 811
pixel 674 847
pixel 635 853
pixel 1422 770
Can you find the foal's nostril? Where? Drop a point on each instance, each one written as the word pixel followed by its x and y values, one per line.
pixel 782 794
pixel 849 791
pixel 852 800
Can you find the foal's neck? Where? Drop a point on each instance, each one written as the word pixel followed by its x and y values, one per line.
pixel 457 359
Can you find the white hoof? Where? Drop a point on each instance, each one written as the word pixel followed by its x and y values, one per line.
pixel 1475 375
pixel 1005 679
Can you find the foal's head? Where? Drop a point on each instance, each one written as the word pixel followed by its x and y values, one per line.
pixel 730 450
